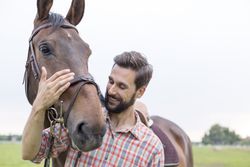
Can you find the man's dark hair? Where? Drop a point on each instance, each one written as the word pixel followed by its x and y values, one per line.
pixel 135 61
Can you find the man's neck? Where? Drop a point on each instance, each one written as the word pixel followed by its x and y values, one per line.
pixel 124 120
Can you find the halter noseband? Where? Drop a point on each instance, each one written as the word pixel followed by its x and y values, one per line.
pixel 83 79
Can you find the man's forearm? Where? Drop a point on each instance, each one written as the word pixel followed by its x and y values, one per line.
pixel 32 134
pixel 49 91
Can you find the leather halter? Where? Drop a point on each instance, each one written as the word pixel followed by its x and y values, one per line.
pixel 32 61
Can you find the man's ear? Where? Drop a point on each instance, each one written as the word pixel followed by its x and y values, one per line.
pixel 140 91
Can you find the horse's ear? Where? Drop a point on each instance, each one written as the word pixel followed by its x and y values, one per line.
pixel 43 8
pixel 76 12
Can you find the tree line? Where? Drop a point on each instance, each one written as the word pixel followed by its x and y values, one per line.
pixel 10 137
pixel 219 135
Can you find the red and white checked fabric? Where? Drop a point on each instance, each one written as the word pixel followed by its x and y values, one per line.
pixel 137 146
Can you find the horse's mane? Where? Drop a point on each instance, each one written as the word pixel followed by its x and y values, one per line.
pixel 57 20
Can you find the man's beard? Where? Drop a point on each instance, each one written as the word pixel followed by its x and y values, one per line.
pixel 123 105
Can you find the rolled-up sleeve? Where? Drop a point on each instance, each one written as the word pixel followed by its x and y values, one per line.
pixel 60 143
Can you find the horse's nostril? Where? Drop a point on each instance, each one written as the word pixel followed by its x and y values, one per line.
pixel 85 131
pixel 81 128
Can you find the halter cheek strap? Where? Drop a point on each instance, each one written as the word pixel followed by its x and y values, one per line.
pixel 83 80
pixel 33 60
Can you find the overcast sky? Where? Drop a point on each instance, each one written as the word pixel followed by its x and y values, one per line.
pixel 199 50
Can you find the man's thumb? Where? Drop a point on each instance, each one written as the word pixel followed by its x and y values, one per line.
pixel 44 74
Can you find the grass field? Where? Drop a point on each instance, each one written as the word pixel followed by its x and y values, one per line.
pixel 10 156
pixel 203 156
pixel 221 156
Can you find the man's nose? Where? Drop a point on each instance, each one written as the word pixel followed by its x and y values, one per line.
pixel 112 90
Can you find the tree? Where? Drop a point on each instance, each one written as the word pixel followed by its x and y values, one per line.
pixel 245 141
pixel 219 135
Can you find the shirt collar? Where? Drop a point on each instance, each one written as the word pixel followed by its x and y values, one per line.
pixel 135 130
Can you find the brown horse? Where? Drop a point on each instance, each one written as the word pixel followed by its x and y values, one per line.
pixel 178 138
pixel 176 143
pixel 56 45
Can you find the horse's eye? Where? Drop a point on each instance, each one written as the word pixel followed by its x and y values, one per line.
pixel 44 48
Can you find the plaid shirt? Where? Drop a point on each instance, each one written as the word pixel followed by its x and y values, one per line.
pixel 137 146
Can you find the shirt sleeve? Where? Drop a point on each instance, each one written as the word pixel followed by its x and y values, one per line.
pixel 158 158
pixel 60 144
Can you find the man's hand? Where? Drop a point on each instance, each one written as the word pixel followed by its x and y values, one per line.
pixel 50 90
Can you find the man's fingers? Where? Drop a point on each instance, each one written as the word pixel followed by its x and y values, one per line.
pixel 61 82
pixel 59 88
pixel 58 74
pixel 66 77
pixel 62 89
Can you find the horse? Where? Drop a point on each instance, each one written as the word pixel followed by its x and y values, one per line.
pixel 177 145
pixel 178 138
pixel 56 45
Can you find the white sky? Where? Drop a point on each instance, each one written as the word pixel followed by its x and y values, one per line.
pixel 199 50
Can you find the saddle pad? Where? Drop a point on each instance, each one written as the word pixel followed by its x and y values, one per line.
pixel 171 156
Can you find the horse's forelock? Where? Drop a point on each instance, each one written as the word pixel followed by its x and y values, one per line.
pixel 57 20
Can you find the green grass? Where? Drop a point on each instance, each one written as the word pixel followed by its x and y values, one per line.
pixel 10 156
pixel 221 156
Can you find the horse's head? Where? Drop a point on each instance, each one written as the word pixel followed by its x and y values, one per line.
pixel 56 45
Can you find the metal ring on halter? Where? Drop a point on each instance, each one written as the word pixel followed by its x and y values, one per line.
pixel 52 114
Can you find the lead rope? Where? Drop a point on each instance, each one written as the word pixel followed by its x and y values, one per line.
pixel 53 118
pixel 79 153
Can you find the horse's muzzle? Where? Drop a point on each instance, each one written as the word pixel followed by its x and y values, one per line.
pixel 87 138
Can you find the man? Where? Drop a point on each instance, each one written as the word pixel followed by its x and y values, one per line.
pixel 127 142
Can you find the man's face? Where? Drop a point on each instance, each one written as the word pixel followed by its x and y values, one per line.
pixel 121 90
